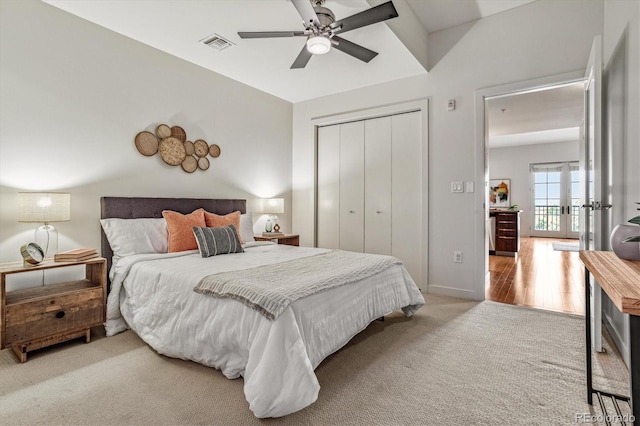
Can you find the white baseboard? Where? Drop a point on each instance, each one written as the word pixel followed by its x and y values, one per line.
pixel 619 340
pixel 451 292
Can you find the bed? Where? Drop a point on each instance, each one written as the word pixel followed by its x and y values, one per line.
pixel 153 295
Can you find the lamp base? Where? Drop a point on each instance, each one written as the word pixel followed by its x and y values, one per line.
pixel 47 237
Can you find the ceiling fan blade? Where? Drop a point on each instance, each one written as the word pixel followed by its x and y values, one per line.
pixel 270 34
pixel 382 12
pixel 305 9
pixel 302 59
pixel 353 49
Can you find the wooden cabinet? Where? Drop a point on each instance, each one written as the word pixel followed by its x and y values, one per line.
pixel 369 188
pixel 507 232
pixel 287 239
pixel 35 317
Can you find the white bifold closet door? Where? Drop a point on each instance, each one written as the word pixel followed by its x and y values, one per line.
pixel 369 188
pixel 351 182
pixel 377 187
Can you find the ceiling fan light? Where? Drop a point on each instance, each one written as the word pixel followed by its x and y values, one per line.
pixel 318 45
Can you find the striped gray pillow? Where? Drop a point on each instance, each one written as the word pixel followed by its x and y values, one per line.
pixel 219 240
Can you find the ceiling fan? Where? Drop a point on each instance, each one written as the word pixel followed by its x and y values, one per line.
pixel 321 29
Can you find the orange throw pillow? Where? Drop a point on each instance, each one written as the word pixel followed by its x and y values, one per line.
pixel 180 227
pixel 215 220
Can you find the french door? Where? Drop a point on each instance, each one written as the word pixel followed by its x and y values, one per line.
pixel 555 193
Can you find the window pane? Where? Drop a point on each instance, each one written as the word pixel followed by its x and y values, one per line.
pixel 540 177
pixel 540 190
pixel 575 190
pixel 554 176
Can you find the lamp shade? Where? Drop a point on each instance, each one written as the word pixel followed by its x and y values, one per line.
pixel 44 207
pixel 273 205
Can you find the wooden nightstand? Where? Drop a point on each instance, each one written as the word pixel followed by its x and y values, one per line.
pixel 35 317
pixel 288 239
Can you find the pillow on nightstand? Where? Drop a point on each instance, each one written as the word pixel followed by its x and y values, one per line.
pixel 180 227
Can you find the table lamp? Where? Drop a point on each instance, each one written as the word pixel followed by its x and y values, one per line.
pixel 45 207
pixel 272 206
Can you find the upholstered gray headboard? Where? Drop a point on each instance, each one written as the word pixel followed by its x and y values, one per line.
pixel 138 207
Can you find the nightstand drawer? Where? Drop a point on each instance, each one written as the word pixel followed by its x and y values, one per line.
pixel 56 313
pixel 41 316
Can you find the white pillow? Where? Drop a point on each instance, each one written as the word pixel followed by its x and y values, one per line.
pixel 136 236
pixel 246 227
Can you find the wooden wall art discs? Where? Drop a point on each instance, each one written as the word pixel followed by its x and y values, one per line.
pixel 172 151
pixel 146 143
pixel 179 133
pixel 189 164
pixel 174 148
pixel 202 148
pixel 214 151
pixel 163 131
pixel 203 163
pixel 189 148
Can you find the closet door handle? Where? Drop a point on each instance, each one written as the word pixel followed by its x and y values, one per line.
pixel 378 211
pixel 351 211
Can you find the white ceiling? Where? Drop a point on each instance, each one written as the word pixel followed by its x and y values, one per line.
pixel 177 26
pixel 437 15
pixel 540 116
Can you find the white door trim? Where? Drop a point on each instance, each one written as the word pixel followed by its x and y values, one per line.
pixel 481 237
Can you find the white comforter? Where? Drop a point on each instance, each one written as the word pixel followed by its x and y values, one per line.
pixel 154 294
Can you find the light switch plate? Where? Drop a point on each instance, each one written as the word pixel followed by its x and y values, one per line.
pixel 457 187
pixel 468 187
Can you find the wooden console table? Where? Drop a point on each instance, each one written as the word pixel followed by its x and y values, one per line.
pixel 620 279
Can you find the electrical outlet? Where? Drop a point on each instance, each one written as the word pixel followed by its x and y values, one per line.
pixel 457 256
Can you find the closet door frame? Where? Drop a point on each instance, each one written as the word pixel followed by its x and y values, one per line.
pixel 422 106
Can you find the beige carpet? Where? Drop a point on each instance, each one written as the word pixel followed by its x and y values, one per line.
pixel 456 362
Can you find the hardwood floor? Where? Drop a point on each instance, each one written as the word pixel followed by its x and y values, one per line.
pixel 538 277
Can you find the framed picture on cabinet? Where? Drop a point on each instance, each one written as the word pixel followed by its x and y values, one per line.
pixel 500 193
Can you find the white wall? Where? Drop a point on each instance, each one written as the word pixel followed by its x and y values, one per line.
pixel 74 95
pixel 525 43
pixel 621 57
pixel 513 163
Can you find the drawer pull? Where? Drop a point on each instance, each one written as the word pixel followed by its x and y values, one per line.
pixel 60 314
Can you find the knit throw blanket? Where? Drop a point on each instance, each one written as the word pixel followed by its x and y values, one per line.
pixel 270 289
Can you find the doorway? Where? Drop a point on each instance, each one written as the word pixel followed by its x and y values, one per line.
pixel 533 142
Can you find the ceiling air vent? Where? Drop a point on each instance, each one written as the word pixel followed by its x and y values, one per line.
pixel 217 42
